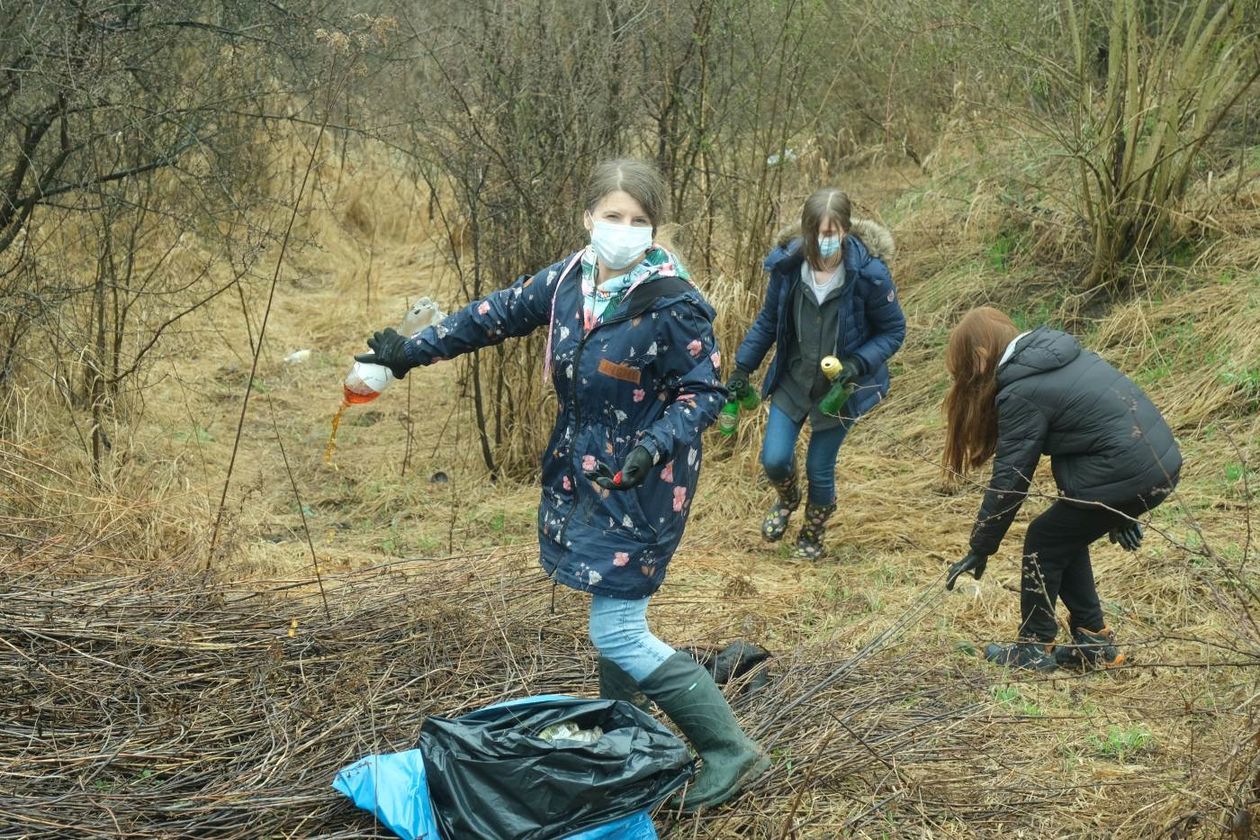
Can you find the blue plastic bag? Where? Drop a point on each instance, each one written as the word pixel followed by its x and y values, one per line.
pixel 393 787
pixel 634 827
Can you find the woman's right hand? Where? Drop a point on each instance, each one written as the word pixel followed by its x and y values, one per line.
pixel 388 349
pixel 632 473
pixel 974 563
pixel 738 383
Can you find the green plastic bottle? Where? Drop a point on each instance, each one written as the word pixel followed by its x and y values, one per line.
pixel 749 400
pixel 839 394
pixel 728 420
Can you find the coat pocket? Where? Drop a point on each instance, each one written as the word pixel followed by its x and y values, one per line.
pixel 619 512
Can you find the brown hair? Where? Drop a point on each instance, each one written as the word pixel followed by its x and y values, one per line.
pixel 975 347
pixel 638 178
pixel 827 203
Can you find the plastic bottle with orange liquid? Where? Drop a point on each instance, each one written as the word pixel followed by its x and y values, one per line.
pixel 365 382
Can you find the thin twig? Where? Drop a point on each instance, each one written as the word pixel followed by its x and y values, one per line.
pixel 262 331
pixel 297 497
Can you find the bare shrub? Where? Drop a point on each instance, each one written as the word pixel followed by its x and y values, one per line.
pixel 1148 87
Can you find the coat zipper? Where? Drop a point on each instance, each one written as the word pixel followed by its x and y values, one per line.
pixel 577 428
pixel 786 307
pixel 577 413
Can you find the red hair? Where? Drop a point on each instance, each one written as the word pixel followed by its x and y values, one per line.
pixel 975 347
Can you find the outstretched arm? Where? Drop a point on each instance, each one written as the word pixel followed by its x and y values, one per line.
pixel 515 311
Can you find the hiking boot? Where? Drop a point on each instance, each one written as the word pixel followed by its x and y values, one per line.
pixel 1027 656
pixel 616 684
pixel 1089 649
pixel 730 759
pixel 809 545
pixel 774 526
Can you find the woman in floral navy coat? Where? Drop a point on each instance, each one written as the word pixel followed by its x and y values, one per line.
pixel 633 359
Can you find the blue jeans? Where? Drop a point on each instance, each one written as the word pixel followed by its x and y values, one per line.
pixel 778 454
pixel 620 633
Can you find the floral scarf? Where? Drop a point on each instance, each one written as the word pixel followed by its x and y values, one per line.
pixel 597 302
pixel 607 296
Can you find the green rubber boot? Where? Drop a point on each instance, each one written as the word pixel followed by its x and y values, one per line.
pixel 616 684
pixel 731 760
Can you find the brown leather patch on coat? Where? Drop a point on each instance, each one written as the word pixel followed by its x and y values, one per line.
pixel 623 372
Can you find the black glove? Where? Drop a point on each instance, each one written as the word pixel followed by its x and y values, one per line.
pixel 850 369
pixel 388 349
pixel 974 563
pixel 1127 536
pixel 632 473
pixel 738 383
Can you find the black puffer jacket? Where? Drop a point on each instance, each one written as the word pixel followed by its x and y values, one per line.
pixel 1106 441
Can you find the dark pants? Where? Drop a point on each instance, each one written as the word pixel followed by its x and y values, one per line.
pixel 1056 564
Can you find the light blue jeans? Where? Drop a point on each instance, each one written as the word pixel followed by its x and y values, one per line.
pixel 620 633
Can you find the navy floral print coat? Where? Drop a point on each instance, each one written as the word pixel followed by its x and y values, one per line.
pixel 646 374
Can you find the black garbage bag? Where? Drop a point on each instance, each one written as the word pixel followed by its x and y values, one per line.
pixel 492 775
pixel 733 661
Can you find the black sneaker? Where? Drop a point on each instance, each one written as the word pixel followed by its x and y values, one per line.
pixel 1089 649
pixel 1028 656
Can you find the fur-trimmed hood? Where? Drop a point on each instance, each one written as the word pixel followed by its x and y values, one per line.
pixel 877 238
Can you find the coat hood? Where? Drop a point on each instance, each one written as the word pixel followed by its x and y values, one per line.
pixel 877 238
pixel 1041 350
pixel 876 242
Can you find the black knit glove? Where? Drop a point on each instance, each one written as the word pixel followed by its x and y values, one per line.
pixel 632 473
pixel 974 563
pixel 738 384
pixel 388 349
pixel 850 369
pixel 1128 536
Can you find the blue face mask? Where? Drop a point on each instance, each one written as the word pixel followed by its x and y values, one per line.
pixel 828 246
pixel 620 246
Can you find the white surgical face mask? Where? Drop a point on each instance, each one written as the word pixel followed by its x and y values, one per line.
pixel 620 246
pixel 828 246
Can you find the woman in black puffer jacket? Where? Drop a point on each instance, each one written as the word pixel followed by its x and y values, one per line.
pixel 1016 396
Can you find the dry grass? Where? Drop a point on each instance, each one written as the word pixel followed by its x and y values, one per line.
pixel 914 738
pixel 153 706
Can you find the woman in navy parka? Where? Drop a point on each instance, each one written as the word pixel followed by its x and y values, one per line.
pixel 633 359
pixel 830 294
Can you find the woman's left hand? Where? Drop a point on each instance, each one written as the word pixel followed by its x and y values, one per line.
pixel 850 370
pixel 632 473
